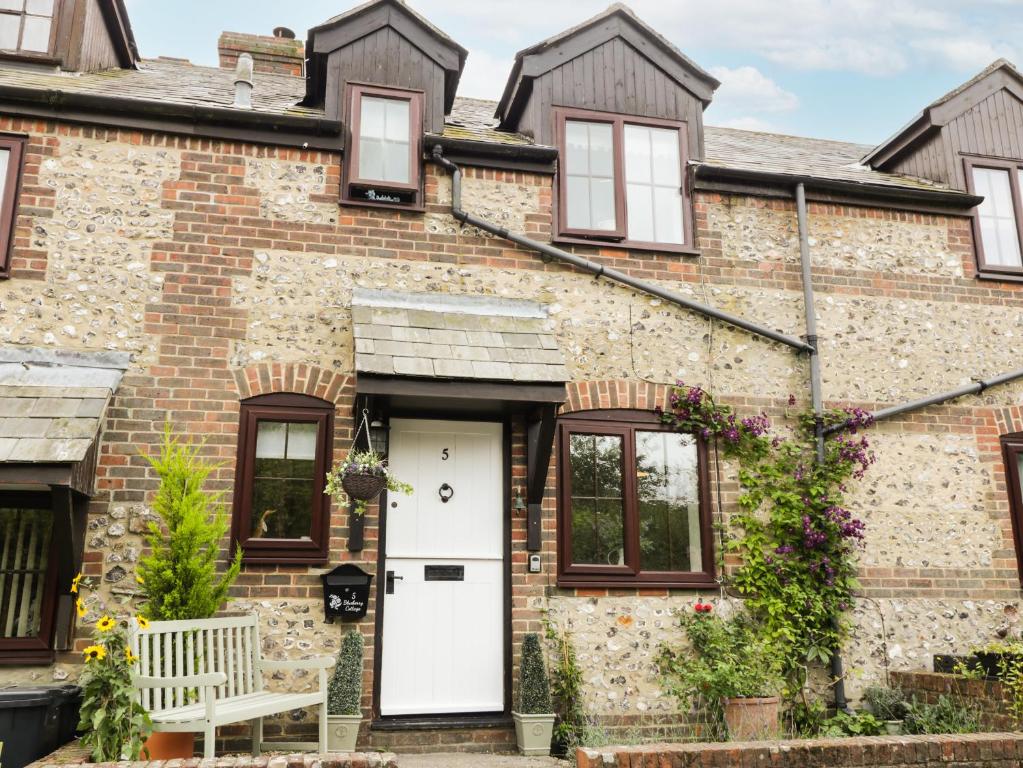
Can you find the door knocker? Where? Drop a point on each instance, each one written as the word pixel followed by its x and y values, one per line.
pixel 446 492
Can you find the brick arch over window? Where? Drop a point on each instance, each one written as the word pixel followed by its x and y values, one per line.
pixel 300 378
pixel 615 393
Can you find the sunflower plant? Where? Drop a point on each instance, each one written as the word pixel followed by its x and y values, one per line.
pixel 113 722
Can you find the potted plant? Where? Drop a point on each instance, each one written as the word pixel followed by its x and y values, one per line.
pixel 360 477
pixel 731 669
pixel 534 718
pixel 178 579
pixel 344 695
pixel 113 723
pixel 888 705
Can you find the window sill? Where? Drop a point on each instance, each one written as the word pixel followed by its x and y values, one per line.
pixel 1003 277
pixel 697 582
pixel 284 558
pixel 626 245
pixel 408 207
pixel 30 58
pixel 29 658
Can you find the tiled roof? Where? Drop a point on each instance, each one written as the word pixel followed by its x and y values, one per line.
pixel 52 402
pixel 454 337
pixel 180 82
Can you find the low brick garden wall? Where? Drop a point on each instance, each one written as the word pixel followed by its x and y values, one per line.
pixel 976 750
pixel 989 696
pixel 73 756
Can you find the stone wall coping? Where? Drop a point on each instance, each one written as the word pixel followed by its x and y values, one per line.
pixel 965 750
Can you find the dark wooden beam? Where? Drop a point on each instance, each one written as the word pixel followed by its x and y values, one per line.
pixel 475 390
pixel 539 445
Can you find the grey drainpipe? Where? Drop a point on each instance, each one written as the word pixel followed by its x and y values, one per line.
pixel 976 388
pixel 599 270
pixel 816 397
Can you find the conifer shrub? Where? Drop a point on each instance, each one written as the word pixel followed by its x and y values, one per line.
pixel 534 688
pixel 179 577
pixel 344 692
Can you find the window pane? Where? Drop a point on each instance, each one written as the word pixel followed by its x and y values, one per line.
pixel 598 536
pixel 667 485
pixel 24 558
pixel 282 493
pixel 39 7
pixel 36 35
pixel 653 184
pixel 12 5
pixel 10 26
pixel 997 217
pixel 589 176
pixel 5 157
pixel 384 140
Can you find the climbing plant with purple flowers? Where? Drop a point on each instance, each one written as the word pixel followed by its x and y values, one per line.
pixel 795 539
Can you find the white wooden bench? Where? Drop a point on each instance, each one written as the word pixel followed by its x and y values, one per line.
pixel 194 676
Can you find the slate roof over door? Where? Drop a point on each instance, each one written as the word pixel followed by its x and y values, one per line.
pixel 476 338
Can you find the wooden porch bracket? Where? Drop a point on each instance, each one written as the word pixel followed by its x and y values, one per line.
pixel 539 444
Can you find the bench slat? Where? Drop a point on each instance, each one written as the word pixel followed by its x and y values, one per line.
pixel 239 708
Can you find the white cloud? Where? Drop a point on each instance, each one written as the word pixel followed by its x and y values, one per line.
pixel 747 88
pixel 964 53
pixel 484 75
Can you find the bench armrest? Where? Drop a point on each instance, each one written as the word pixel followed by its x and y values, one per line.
pixel 317 662
pixel 184 681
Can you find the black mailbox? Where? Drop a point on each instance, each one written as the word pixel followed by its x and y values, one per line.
pixel 346 593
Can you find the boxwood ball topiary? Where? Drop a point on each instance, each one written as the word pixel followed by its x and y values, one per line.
pixel 534 689
pixel 344 694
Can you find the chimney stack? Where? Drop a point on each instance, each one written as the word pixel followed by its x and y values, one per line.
pixel 280 54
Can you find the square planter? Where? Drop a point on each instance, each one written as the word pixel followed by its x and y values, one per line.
pixel 343 732
pixel 533 733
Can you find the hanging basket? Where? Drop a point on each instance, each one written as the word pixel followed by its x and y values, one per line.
pixel 363 487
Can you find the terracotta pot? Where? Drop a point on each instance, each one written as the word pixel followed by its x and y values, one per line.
pixel 752 719
pixel 167 746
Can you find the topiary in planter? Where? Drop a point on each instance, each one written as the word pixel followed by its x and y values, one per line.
pixel 344 693
pixel 534 688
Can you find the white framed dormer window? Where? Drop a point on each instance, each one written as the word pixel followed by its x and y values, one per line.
pixel 622 179
pixel 384 147
pixel 27 26
pixel 998 221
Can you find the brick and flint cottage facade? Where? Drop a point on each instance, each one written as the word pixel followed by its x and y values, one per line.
pixel 262 257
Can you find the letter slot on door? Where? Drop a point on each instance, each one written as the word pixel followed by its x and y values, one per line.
pixel 443 573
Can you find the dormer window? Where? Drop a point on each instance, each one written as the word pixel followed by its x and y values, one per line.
pixel 622 179
pixel 26 26
pixel 998 221
pixel 384 147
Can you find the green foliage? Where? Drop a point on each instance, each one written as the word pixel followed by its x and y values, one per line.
pixel 852 724
pixel 566 691
pixel 179 577
pixel 534 688
pixel 806 718
pixel 361 463
pixel 726 658
pixel 886 703
pixel 950 714
pixel 796 542
pixel 344 693
pixel 112 721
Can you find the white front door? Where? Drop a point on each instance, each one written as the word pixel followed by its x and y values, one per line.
pixel 443 644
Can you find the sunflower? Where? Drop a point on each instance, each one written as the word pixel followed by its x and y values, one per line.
pixel 95 653
pixel 80 607
pixel 129 656
pixel 139 579
pixel 75 582
pixel 105 624
pixel 142 621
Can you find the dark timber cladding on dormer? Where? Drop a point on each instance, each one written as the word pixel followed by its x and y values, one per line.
pixel 983 117
pixel 383 43
pixel 611 63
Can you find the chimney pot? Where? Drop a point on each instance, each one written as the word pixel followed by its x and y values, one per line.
pixel 284 32
pixel 243 82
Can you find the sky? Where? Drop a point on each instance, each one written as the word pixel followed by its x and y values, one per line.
pixel 852 70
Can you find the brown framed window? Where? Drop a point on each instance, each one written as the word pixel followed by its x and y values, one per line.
pixel 384 147
pixel 27 26
pixel 281 514
pixel 12 150
pixel 1012 453
pixel 633 503
pixel 27 578
pixel 622 179
pixel 998 221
